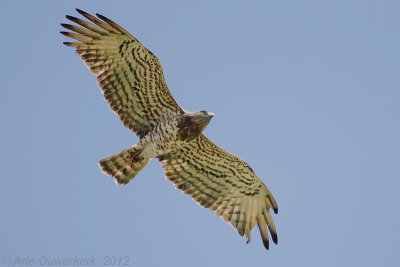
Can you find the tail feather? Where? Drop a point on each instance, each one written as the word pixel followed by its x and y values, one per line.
pixel 122 166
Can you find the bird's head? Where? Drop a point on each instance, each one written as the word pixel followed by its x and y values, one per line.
pixel 192 124
pixel 201 118
pixel 204 115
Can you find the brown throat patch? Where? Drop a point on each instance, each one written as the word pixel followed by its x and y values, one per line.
pixel 189 129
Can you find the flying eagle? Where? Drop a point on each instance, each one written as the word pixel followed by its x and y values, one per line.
pixel 132 82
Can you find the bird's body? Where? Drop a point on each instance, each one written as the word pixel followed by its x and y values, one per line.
pixel 132 82
pixel 167 136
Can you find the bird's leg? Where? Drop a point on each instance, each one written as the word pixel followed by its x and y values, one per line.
pixel 135 155
pixel 142 150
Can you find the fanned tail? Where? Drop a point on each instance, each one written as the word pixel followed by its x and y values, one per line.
pixel 123 166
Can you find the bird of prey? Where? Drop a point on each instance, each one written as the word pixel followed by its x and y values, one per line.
pixel 132 82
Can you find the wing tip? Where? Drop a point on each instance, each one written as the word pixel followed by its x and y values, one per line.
pixel 262 226
pixel 274 237
pixel 72 18
pixel 100 16
pixel 104 18
pixel 114 26
pixel 266 243
pixel 275 209
pixel 80 11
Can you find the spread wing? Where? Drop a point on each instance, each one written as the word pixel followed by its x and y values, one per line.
pixel 224 183
pixel 129 75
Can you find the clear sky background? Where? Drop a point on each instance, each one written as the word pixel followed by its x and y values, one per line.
pixel 307 92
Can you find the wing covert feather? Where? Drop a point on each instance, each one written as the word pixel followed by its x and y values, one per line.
pixel 223 183
pixel 128 74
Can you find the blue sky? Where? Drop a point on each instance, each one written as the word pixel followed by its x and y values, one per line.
pixel 307 92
